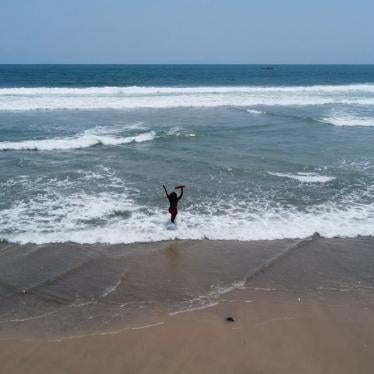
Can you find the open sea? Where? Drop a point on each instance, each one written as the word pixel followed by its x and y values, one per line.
pixel 266 152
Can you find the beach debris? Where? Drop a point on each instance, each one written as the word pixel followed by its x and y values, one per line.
pixel 230 319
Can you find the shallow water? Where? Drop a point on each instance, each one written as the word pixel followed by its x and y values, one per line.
pixel 64 290
pixel 265 154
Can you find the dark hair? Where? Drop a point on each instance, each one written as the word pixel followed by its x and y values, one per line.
pixel 173 196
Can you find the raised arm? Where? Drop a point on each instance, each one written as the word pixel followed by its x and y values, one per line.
pixel 181 194
pixel 167 195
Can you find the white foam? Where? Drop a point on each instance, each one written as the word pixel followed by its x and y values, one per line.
pixel 58 209
pixel 62 221
pixel 218 291
pixel 46 98
pixel 195 308
pixel 178 131
pixel 363 165
pixel 115 332
pixel 111 289
pixel 305 177
pixel 146 90
pixel 349 120
pixel 254 111
pixel 72 210
pixel 84 140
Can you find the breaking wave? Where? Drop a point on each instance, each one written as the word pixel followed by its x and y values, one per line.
pixel 254 111
pixel 48 98
pixel 349 120
pixel 92 217
pixel 84 140
pixel 330 221
pixel 304 177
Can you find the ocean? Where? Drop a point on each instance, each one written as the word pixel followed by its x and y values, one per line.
pixel 265 152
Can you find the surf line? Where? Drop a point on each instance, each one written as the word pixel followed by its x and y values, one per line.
pixel 287 252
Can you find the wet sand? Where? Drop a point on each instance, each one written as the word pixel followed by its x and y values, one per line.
pixel 297 307
pixel 266 337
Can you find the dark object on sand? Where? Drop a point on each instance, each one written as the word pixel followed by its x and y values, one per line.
pixel 229 319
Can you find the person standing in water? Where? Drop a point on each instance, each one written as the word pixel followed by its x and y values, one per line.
pixel 173 200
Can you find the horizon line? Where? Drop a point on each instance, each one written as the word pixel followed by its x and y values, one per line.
pixel 181 64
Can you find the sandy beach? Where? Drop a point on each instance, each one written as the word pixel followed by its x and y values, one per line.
pixel 186 187
pixel 282 307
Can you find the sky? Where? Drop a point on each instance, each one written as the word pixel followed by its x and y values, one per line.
pixel 187 31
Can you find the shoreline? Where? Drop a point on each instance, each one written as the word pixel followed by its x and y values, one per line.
pixel 266 336
pixel 302 306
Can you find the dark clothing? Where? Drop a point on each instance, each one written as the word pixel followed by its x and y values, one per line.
pixel 173 211
pixel 173 200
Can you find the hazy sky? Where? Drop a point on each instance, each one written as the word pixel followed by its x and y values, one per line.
pixel 186 31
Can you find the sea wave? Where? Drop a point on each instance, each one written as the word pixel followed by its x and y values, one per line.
pixel 90 218
pixel 83 140
pixel 179 131
pixel 254 111
pixel 56 98
pixel 130 90
pixel 304 177
pixel 349 120
pixel 329 221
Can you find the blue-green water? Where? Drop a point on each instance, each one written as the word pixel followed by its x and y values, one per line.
pixel 265 153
